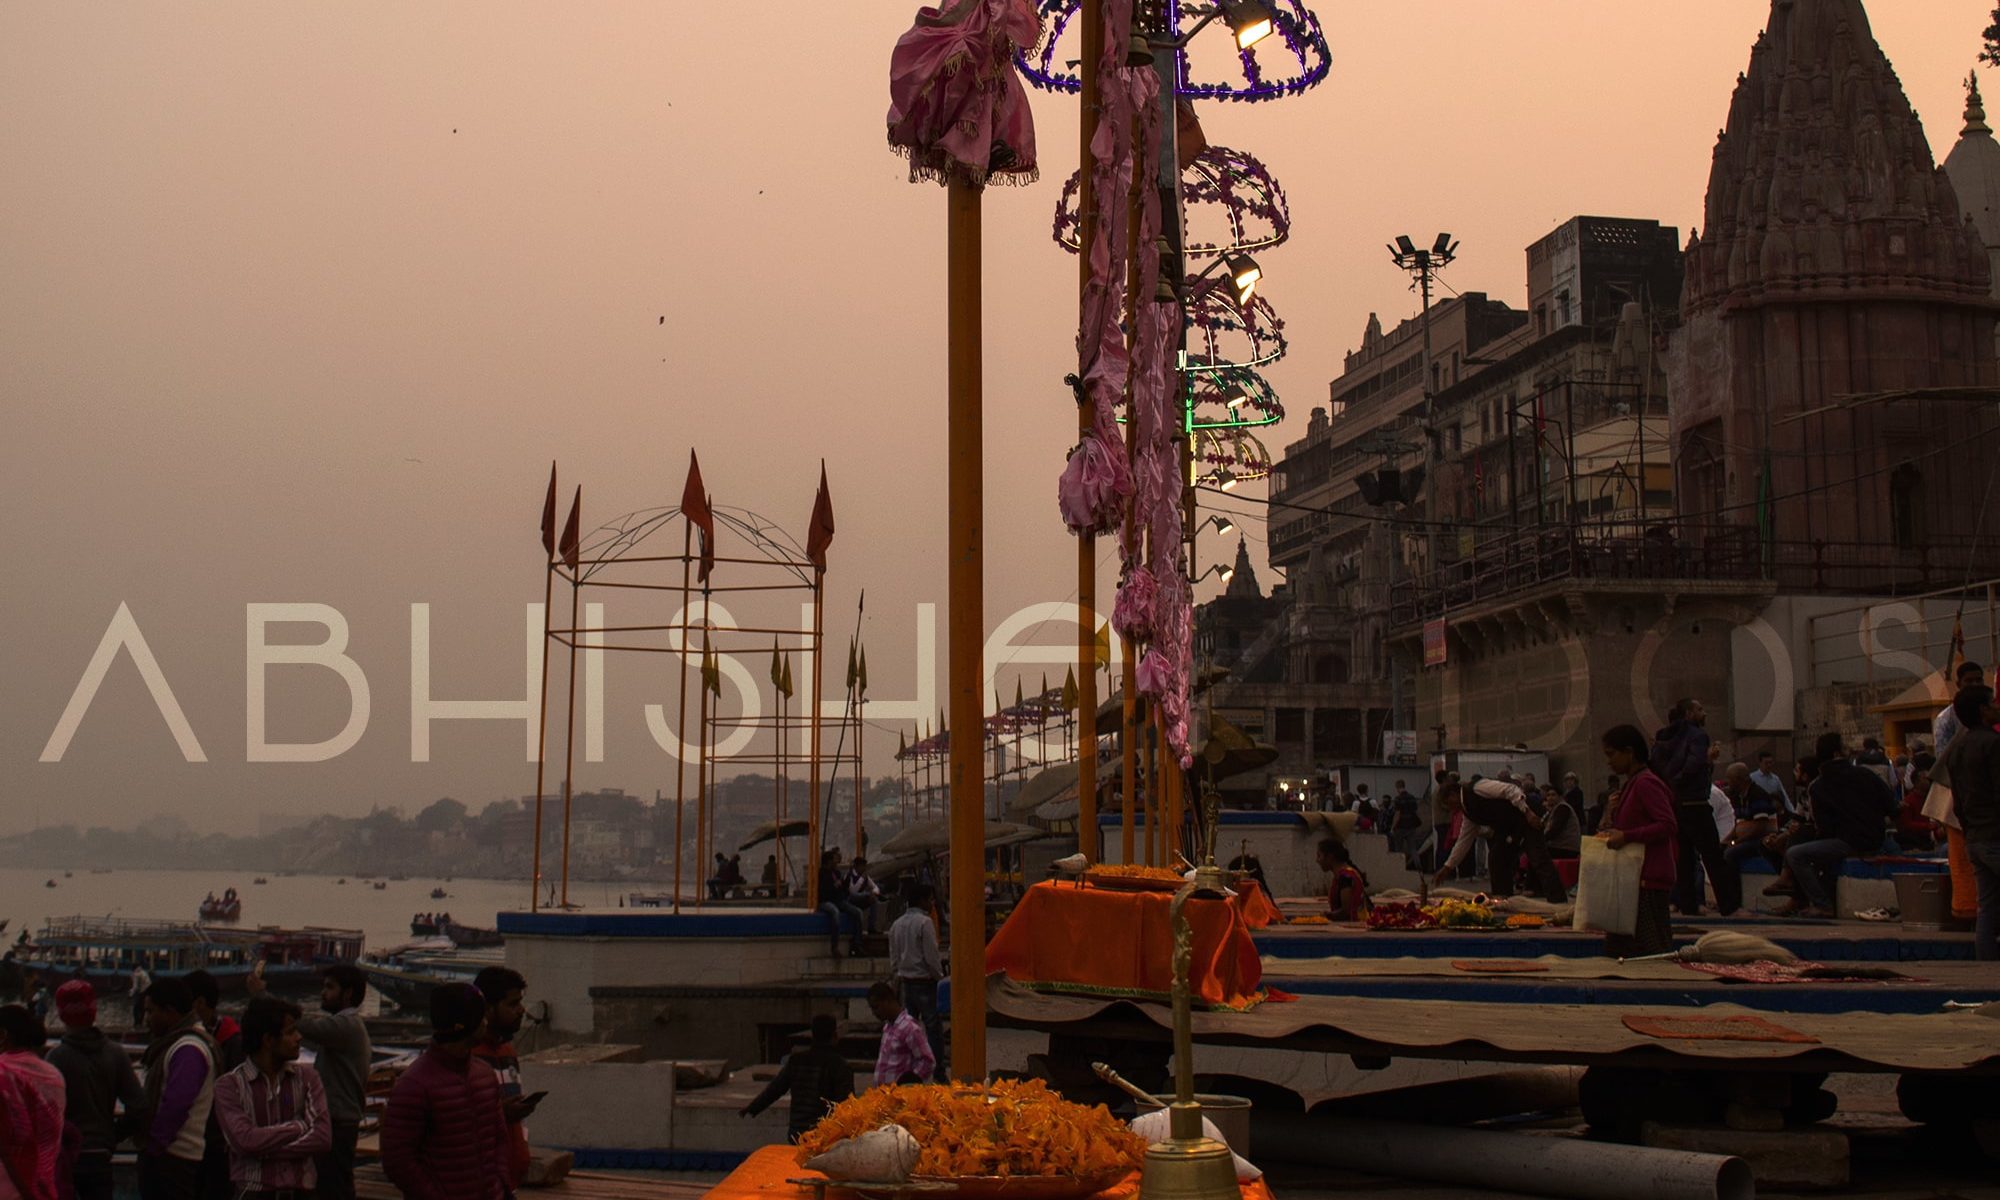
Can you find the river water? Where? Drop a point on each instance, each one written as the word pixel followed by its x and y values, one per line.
pixel 288 900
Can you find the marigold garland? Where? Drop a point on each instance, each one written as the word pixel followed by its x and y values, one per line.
pixel 1007 1128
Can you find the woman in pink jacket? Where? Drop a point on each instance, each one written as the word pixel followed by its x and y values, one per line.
pixel 1643 812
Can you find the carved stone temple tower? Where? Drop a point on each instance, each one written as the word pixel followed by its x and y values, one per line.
pixel 1838 314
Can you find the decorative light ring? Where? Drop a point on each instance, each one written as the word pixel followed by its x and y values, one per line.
pixel 1221 335
pixel 1248 195
pixel 1233 450
pixel 1297 42
pixel 1212 387
pixel 1243 188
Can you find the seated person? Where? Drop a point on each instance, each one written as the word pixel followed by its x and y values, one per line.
pixel 1249 864
pixel 1562 829
pixel 720 880
pixel 1347 894
pixel 768 882
pixel 864 893
pixel 1851 806
pixel 1915 831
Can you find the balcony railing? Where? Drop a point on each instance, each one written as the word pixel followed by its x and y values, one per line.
pixel 1712 554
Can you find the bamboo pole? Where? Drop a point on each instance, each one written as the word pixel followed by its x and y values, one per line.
pixel 860 838
pixel 701 813
pixel 569 739
pixel 813 830
pixel 542 738
pixel 966 633
pixel 681 722
pixel 1128 748
pixel 778 801
pixel 1092 17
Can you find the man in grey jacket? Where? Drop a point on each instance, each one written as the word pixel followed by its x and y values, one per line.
pixel 98 1076
pixel 340 1040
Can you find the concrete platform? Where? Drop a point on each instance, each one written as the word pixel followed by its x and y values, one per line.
pixel 1817 941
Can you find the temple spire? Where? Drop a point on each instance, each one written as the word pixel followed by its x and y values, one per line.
pixel 1975 112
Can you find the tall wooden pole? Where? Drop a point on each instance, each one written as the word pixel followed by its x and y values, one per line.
pixel 701 814
pixel 860 839
pixel 813 830
pixel 778 802
pixel 966 635
pixel 1128 745
pixel 1092 17
pixel 681 722
pixel 542 737
pixel 569 739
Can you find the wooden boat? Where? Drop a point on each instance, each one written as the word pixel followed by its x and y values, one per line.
pixel 226 910
pixel 104 950
pixel 468 937
pixel 437 893
pixel 407 974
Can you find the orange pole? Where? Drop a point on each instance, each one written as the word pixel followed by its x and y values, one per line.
pixel 1086 546
pixel 542 738
pixel 778 802
pixel 967 630
pixel 859 836
pixel 701 816
pixel 681 722
pixel 813 830
pixel 569 740
pixel 1128 746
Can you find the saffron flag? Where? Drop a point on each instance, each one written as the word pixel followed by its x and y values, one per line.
pixel 853 670
pixel 1070 696
pixel 819 532
pixel 695 507
pixel 571 531
pixel 786 686
pixel 861 676
pixel 549 515
pixel 1103 655
pixel 711 671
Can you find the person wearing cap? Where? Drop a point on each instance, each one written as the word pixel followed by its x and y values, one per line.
pixel 98 1076
pixel 31 1109
pixel 444 1137
pixel 505 991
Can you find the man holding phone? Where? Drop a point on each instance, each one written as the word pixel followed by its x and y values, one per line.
pixel 506 991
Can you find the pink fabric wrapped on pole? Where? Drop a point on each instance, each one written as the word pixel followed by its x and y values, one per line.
pixel 1093 487
pixel 957 108
pixel 1132 615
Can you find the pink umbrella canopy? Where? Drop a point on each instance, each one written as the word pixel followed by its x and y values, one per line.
pixel 957 109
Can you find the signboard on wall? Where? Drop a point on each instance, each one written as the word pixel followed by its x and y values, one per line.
pixel 1434 652
pixel 1399 745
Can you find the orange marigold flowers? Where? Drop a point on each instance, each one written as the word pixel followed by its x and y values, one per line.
pixel 1011 1127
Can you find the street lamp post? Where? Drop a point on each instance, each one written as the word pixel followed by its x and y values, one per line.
pixel 1423 265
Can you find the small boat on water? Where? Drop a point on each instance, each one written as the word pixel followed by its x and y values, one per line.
pixel 50 883
pixel 406 974
pixel 380 886
pixel 437 893
pixel 69 874
pixel 104 950
pixel 226 909
pixel 260 880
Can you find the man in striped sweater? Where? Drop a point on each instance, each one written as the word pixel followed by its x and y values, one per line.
pixel 272 1110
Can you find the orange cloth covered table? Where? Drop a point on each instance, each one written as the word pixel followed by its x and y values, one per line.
pixel 762 1177
pixel 1106 942
pixel 1258 909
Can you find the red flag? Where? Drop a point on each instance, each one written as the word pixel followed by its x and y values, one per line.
pixel 694 506
pixel 819 534
pixel 570 531
pixel 549 515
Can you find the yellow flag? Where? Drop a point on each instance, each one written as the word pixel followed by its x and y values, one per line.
pixel 853 672
pixel 1070 696
pixel 785 685
pixel 711 672
pixel 777 666
pixel 1104 645
pixel 861 673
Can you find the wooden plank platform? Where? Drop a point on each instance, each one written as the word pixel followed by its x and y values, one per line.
pixel 369 1184
pixel 1582 1035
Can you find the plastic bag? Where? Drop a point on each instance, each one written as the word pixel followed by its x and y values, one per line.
pixel 885 1155
pixel 1607 886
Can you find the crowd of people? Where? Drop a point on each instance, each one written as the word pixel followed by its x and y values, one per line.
pixel 1700 827
pixel 220 1108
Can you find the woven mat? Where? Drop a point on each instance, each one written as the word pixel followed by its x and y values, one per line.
pixel 1720 1029
pixel 1502 966
pixel 1799 972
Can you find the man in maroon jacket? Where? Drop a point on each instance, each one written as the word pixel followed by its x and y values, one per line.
pixel 444 1137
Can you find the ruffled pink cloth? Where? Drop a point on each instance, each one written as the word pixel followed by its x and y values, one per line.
pixel 957 108
pixel 1094 486
pixel 1132 615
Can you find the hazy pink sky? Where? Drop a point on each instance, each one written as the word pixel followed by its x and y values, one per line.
pixel 258 258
